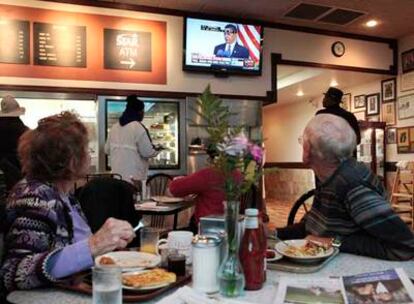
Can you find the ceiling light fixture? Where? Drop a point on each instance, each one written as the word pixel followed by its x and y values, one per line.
pixel 371 23
pixel 333 83
pixel 300 93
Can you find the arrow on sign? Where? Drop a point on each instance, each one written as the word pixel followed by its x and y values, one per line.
pixel 130 62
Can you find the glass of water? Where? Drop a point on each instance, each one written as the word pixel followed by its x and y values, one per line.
pixel 106 285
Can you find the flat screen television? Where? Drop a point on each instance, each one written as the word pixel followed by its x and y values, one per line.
pixel 222 47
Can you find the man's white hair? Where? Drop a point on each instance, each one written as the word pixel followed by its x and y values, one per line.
pixel 331 138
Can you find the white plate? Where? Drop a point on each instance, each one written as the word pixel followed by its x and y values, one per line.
pixel 167 199
pixel 143 288
pixel 132 260
pixel 281 247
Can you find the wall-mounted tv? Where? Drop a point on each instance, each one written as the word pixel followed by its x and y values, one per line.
pixel 220 46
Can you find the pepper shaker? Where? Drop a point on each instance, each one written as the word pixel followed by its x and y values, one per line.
pixel 206 261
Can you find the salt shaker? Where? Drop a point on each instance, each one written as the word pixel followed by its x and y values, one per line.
pixel 206 261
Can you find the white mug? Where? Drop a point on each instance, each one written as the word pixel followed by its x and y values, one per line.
pixel 180 240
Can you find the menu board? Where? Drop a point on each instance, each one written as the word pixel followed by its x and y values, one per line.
pixel 14 41
pixel 127 50
pixel 59 45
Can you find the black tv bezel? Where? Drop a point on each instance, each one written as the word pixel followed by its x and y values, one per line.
pixel 221 71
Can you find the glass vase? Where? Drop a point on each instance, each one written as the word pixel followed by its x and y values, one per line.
pixel 230 274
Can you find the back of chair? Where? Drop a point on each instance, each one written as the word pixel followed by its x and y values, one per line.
pixel 158 183
pixel 98 175
pixel 105 197
pixel 11 173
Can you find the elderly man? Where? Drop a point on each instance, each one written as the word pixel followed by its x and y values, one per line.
pixel 350 207
pixel 231 48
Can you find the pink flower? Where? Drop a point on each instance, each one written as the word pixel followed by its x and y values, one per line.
pixel 236 146
pixel 256 152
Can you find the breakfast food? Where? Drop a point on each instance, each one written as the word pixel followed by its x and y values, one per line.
pixel 106 261
pixel 149 278
pixel 309 249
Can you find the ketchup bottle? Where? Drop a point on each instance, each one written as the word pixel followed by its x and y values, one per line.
pixel 251 252
pixel 263 241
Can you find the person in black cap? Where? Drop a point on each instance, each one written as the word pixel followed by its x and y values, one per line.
pixel 331 101
pixel 231 48
pixel 129 143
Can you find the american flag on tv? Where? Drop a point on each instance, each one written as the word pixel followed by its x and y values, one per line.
pixel 249 36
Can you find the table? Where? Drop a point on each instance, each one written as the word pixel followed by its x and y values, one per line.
pixel 343 264
pixel 165 209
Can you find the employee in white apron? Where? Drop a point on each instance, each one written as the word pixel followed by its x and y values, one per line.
pixel 129 144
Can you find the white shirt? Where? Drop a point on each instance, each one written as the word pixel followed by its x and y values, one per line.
pixel 129 148
pixel 232 45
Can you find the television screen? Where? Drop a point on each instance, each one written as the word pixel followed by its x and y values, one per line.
pixel 222 46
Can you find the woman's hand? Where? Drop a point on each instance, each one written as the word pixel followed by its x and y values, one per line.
pixel 112 235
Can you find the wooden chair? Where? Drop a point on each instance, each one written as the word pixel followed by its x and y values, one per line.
pixel 402 195
pixel 106 174
pixel 157 184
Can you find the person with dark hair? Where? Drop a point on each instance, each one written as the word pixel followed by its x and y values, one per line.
pixel 129 143
pixel 11 128
pixel 47 237
pixel 231 48
pixel 207 185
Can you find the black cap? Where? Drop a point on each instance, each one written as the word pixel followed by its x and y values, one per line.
pixel 332 97
pixel 134 103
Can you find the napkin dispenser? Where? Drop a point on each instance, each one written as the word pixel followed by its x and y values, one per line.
pixel 214 224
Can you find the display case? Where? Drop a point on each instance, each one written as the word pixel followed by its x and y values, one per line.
pixel 163 121
pixel 372 150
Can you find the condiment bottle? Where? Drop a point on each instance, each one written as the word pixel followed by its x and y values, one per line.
pixel 206 261
pixel 252 252
pixel 263 241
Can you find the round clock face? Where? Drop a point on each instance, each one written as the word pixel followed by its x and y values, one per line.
pixel 338 48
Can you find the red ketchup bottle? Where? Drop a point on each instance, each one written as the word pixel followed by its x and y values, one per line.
pixel 251 252
pixel 263 241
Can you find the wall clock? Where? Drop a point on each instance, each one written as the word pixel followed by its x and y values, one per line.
pixel 338 48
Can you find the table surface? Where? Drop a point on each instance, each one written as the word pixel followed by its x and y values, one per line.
pixel 164 209
pixel 343 264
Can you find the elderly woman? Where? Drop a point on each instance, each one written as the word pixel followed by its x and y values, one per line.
pixel 47 237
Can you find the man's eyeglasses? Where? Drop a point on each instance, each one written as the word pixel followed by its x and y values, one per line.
pixel 227 32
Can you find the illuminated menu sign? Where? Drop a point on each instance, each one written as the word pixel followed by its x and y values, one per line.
pixel 14 41
pixel 127 50
pixel 59 45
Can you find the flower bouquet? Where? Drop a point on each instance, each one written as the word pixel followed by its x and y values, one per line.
pixel 239 161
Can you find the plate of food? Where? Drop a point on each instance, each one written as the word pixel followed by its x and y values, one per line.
pixel 129 260
pixel 304 251
pixel 167 199
pixel 148 279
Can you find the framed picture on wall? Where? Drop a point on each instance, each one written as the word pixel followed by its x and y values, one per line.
pixel 405 106
pixel 372 102
pixel 407 61
pixel 360 115
pixel 391 136
pixel 359 102
pixel 388 90
pixel 388 113
pixel 346 101
pixel 403 142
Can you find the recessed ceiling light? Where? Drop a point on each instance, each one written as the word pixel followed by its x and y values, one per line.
pixel 371 23
pixel 333 83
pixel 300 93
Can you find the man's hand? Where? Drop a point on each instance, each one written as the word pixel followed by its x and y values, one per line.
pixel 112 235
pixel 324 241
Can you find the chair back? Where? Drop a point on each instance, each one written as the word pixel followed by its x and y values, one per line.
pixel 300 202
pixel 11 173
pixel 158 183
pixel 105 197
pixel 98 175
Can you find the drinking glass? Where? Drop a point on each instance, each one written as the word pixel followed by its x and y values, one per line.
pixel 149 240
pixel 106 285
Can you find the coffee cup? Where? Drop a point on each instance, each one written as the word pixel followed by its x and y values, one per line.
pixel 180 240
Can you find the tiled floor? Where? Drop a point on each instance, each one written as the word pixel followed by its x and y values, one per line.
pixel 278 212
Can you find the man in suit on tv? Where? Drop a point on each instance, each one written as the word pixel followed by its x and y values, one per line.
pixel 231 48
